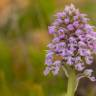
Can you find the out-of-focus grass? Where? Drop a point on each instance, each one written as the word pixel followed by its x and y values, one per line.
pixel 23 40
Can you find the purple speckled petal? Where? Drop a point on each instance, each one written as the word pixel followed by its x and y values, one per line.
pixel 89 59
pixel 79 66
pixel 51 29
pixel 70 27
pixel 75 17
pixel 66 20
pixel 92 78
pixel 56 40
pixel 47 70
pixel 76 24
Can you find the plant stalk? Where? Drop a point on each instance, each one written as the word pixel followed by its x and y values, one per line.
pixel 71 84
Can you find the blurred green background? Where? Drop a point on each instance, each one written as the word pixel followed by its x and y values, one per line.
pixel 23 40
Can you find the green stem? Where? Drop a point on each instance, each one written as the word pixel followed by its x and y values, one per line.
pixel 71 83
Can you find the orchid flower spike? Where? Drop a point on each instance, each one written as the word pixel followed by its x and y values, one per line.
pixel 73 44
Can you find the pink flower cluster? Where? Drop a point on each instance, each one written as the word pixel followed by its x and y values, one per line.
pixel 74 42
